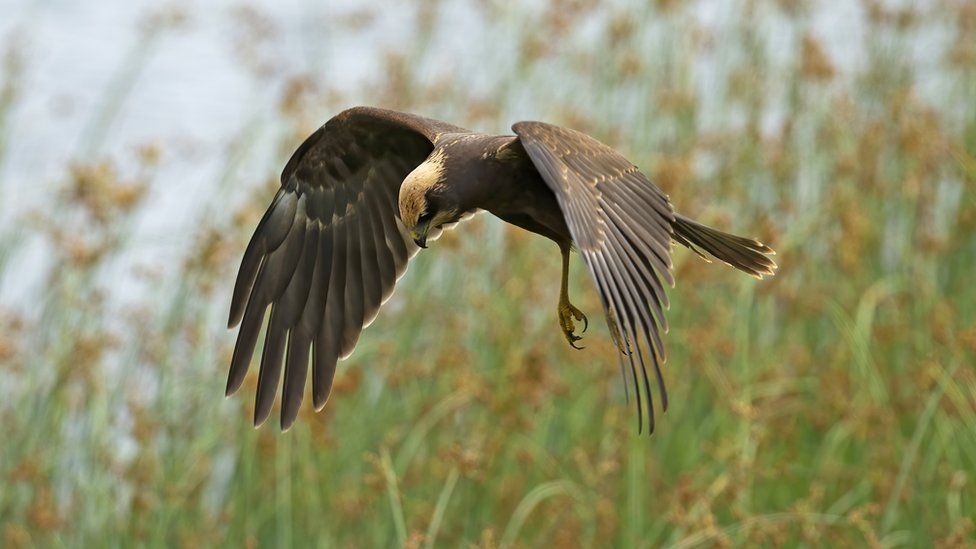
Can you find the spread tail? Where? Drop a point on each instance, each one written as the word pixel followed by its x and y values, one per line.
pixel 746 254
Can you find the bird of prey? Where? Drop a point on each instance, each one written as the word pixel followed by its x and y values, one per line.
pixel 371 187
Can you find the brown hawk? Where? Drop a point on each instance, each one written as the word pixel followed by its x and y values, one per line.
pixel 369 188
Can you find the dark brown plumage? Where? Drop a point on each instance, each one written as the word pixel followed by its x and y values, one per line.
pixel 364 191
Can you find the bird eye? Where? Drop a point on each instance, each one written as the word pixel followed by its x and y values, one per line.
pixel 426 218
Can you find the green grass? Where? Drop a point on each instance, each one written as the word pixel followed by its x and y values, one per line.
pixel 832 405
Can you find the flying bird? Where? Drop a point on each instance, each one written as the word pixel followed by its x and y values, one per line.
pixel 371 187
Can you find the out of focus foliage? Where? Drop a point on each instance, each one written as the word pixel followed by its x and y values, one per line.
pixel 834 405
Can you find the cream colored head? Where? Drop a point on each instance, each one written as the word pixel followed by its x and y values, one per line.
pixel 417 214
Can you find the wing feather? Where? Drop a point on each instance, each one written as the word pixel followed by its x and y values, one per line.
pixel 336 302
pixel 354 292
pixel 327 253
pixel 273 228
pixel 385 265
pixel 271 362
pixel 296 370
pixel 622 226
pixel 372 291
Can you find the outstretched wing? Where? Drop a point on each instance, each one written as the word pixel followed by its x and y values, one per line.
pixel 327 253
pixel 622 226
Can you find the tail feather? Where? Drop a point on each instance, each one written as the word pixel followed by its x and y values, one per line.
pixel 745 254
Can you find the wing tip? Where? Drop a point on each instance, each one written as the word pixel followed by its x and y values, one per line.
pixel 287 421
pixel 233 385
pixel 760 247
pixel 238 305
pixel 319 402
pixel 233 319
pixel 261 414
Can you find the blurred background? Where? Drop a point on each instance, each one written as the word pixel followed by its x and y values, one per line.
pixel 835 404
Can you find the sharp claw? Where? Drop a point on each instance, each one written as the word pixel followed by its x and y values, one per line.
pixel 566 315
pixel 572 339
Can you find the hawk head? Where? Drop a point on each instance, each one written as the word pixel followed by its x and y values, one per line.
pixel 425 201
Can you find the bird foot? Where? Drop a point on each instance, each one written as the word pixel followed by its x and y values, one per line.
pixel 567 312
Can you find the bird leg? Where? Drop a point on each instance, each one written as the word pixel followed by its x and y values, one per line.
pixel 567 312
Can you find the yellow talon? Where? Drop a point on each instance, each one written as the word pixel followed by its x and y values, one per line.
pixel 567 312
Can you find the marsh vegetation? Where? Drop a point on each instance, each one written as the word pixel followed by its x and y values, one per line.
pixel 834 404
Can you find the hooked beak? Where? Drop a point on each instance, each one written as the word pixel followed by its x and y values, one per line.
pixel 419 234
